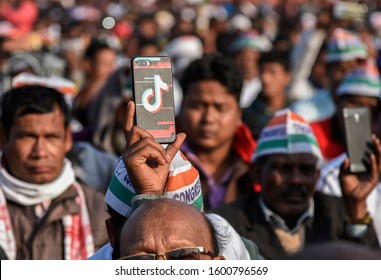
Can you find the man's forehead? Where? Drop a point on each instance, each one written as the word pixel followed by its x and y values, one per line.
pixel 205 86
pixel 362 100
pixel 49 120
pixel 300 158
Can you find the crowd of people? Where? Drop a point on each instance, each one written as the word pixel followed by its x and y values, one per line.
pixel 259 168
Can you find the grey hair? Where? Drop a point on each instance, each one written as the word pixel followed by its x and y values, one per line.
pixel 220 234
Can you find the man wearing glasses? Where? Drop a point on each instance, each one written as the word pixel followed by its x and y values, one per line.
pixel 161 229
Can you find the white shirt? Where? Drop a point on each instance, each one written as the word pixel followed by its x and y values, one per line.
pixel 249 92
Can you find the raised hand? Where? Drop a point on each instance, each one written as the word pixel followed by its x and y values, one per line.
pixel 357 187
pixel 147 162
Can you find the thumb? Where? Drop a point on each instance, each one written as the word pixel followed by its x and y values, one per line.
pixel 344 167
pixel 173 148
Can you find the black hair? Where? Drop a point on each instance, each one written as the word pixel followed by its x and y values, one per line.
pixel 276 56
pixel 95 47
pixel 213 67
pixel 31 99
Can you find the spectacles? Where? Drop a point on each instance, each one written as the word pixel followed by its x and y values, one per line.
pixel 191 253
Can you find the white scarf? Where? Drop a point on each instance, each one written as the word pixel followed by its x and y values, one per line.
pixel 28 194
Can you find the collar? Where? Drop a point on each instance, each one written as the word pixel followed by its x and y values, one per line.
pixel 277 221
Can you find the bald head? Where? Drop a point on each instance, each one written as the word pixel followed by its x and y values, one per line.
pixel 162 225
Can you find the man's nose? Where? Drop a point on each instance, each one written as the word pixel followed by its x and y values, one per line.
pixel 295 176
pixel 39 148
pixel 209 114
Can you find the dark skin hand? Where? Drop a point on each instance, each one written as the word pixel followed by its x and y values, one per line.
pixel 147 162
pixel 357 187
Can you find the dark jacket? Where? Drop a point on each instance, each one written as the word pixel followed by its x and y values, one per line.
pixel 328 224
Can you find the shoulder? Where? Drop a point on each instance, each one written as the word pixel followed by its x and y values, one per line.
pixel 104 253
pixel 94 198
pixel 329 205
pixel 238 210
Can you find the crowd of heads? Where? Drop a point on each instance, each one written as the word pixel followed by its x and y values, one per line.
pixel 260 87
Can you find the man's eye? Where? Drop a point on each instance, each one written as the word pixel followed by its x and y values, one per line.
pixel 222 108
pixel 309 169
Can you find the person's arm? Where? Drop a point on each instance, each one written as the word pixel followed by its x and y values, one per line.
pixel 355 190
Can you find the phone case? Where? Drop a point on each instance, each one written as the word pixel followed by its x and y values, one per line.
pixel 153 95
pixel 358 138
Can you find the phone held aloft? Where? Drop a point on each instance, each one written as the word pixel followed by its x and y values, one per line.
pixel 358 138
pixel 153 95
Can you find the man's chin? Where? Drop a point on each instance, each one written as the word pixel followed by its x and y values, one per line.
pixel 40 179
pixel 294 209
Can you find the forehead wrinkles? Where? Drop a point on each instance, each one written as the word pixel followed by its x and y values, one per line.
pixel 49 122
pixel 296 159
pixel 160 232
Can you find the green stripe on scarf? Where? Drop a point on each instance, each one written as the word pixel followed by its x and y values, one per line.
pixel 362 81
pixel 345 50
pixel 120 191
pixel 283 143
pixel 199 202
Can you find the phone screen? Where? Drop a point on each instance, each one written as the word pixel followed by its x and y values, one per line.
pixel 153 94
pixel 358 138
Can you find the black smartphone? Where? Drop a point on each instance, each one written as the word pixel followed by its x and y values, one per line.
pixel 152 88
pixel 358 138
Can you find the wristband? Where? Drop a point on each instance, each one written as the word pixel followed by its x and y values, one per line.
pixel 367 220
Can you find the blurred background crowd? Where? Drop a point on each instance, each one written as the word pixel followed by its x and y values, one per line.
pixel 290 53
pixel 89 43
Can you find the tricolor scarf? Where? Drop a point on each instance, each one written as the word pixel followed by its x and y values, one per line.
pixel 183 184
pixel 78 239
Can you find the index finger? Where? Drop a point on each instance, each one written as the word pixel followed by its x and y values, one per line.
pixel 129 118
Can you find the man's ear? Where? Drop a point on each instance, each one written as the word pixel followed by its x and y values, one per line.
pixel 3 137
pixel 68 139
pixel 255 173
pixel 239 120
pixel 317 175
pixel 111 232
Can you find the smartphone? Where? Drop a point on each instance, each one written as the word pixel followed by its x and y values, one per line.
pixel 152 88
pixel 358 138
pixel 350 10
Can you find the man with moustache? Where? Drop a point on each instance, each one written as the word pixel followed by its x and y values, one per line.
pixel 289 214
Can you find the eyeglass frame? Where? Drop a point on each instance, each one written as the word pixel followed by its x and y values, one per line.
pixel 201 250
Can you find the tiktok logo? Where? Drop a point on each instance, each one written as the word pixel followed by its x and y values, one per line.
pixel 157 94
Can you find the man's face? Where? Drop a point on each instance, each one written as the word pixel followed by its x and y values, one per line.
pixel 165 228
pixel 288 182
pixel 210 115
pixel 104 64
pixel 337 71
pixel 36 147
pixel 274 79
pixel 247 60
